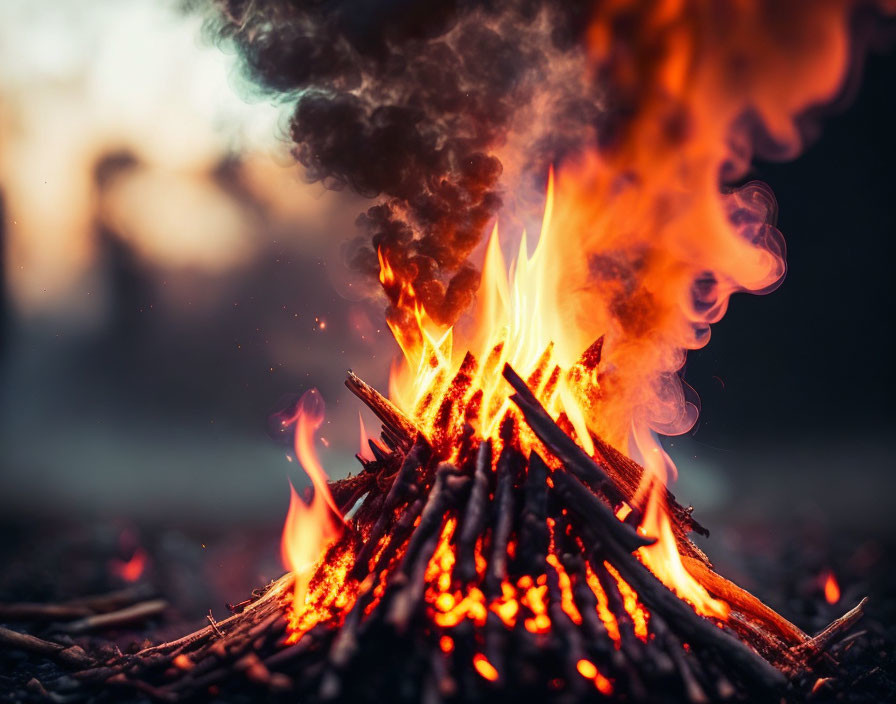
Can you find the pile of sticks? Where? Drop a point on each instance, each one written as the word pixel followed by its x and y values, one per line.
pixel 544 518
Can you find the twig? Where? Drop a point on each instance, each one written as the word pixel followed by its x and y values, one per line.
pixel 137 612
pixel 214 624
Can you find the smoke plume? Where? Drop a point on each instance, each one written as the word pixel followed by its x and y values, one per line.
pixel 411 104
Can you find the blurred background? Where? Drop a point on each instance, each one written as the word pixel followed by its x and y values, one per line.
pixel 168 277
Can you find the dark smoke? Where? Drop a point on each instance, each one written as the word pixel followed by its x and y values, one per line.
pixel 444 110
pixel 410 103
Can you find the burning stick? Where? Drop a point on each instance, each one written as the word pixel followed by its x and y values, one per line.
pixel 402 486
pixel 743 601
pixel 398 428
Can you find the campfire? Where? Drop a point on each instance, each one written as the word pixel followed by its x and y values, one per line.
pixel 492 542
pixel 511 532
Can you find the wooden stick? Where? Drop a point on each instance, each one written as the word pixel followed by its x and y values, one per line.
pixel 533 532
pixel 26 611
pixel 558 442
pixel 474 516
pixel 403 486
pixel 509 463
pixel 385 410
pixel 818 644
pixel 74 608
pixel 579 498
pixel 629 642
pixel 743 601
pixel 409 578
pixel 71 656
pixel 137 612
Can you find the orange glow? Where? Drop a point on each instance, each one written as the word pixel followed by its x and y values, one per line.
pixel 602 608
pixel 309 528
pixel 567 601
pixel 484 667
pixel 630 603
pixel 131 570
pixel 831 588
pixel 506 606
pixel 586 669
pixel 327 596
pixel 534 599
pixel 604 686
pixel 183 662
pixel 446 644
pixel 623 511
pixel 589 671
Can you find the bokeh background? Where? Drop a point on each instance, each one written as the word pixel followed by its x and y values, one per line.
pixel 168 277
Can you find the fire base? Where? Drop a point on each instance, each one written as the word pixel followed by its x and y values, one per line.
pixel 494 575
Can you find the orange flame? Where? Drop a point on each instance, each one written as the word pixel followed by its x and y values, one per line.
pixel 365 453
pixel 831 588
pixel 309 528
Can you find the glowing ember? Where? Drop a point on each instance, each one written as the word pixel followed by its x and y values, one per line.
pixel 831 588
pixel 130 570
pixel 586 669
pixel 484 667
pixel 631 604
pixel 589 671
pixel 602 606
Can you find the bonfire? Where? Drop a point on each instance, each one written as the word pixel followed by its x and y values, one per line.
pixel 511 533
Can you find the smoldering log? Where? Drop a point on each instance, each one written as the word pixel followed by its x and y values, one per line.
pixel 743 601
pixel 410 583
pixel 509 461
pixel 533 525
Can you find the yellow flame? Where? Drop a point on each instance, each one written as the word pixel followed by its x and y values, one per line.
pixel 309 528
pixel 513 324
pixel 517 320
